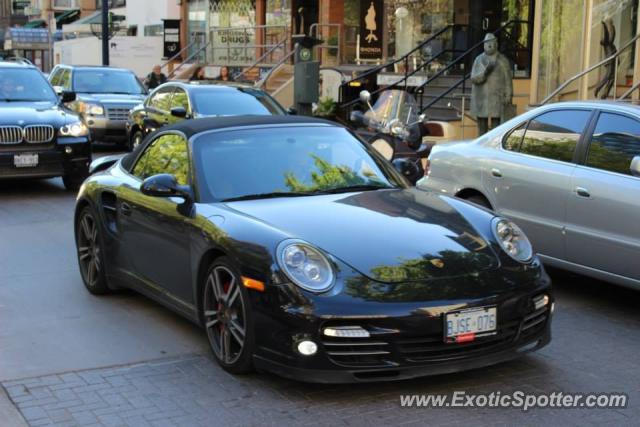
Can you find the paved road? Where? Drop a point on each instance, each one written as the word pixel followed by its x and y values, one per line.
pixel 68 358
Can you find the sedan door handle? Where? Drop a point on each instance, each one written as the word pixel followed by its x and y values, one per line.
pixel 125 209
pixel 496 172
pixel 582 192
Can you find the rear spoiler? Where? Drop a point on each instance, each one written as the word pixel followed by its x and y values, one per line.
pixel 103 163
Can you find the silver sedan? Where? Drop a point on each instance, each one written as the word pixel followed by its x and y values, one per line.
pixel 568 174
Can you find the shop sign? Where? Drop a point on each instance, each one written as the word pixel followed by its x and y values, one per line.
pixel 371 29
pixel 233 46
pixel 171 37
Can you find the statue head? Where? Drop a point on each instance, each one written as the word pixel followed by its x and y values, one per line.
pixel 490 44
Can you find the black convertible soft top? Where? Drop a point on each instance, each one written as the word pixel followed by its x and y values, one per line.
pixel 193 127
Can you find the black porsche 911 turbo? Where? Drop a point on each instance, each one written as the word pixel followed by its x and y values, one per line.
pixel 301 251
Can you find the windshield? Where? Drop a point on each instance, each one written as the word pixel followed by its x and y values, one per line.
pixel 22 84
pixel 106 81
pixel 286 161
pixel 395 104
pixel 234 102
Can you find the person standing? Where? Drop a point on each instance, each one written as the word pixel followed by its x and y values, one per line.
pixel 492 87
pixel 155 78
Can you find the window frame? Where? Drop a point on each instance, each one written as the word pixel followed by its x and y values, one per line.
pixel 589 137
pixel 578 152
pixel 143 150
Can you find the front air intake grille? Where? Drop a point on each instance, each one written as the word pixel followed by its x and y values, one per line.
pixel 358 352
pixel 11 135
pixel 118 113
pixel 38 134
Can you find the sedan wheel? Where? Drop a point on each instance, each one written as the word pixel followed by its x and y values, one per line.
pixel 227 318
pixel 90 253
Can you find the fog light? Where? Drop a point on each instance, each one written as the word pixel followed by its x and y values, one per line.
pixel 346 332
pixel 307 348
pixel 540 301
pixel 68 149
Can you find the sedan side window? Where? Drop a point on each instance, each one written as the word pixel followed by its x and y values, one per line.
pixel 513 140
pixel 615 142
pixel 555 135
pixel 180 99
pixel 161 100
pixel 55 77
pixel 65 79
pixel 167 154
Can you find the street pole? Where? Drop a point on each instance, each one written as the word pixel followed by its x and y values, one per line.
pixel 105 32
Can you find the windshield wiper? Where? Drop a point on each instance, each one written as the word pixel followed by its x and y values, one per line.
pixel 350 188
pixel 272 195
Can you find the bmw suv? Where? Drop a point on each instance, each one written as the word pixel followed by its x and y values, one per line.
pixel 39 137
pixel 105 95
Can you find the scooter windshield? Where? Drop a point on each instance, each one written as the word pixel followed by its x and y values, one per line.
pixel 394 104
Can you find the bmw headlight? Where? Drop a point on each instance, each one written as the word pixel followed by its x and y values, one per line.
pixel 75 129
pixel 512 239
pixel 91 109
pixel 305 265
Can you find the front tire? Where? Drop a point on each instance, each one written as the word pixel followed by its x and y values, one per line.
pixel 72 181
pixel 136 140
pixel 227 317
pixel 90 252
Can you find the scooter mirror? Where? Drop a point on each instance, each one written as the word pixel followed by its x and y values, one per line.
pixel 365 96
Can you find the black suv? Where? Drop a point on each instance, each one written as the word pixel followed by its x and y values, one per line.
pixel 175 101
pixel 39 137
pixel 105 95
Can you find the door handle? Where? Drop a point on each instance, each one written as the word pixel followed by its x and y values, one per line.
pixel 125 209
pixel 496 172
pixel 582 192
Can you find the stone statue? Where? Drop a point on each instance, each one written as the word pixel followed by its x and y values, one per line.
pixel 492 90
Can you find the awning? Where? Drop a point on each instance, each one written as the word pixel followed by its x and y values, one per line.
pixel 67 17
pixel 37 23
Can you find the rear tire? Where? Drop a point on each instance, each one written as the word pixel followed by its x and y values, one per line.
pixel 479 200
pixel 228 318
pixel 90 252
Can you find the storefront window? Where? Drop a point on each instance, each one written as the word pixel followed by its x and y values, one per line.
pixel 560 45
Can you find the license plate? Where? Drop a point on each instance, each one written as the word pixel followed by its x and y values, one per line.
pixel 467 325
pixel 25 160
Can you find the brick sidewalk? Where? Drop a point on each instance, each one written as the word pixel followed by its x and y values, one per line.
pixel 194 391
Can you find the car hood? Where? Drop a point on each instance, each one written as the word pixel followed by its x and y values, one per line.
pixel 388 235
pixel 30 113
pixel 109 98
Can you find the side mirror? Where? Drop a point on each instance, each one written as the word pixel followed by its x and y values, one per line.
pixel 180 112
pixel 365 96
pixel 67 96
pixel 635 166
pixel 58 90
pixel 357 117
pixel 408 168
pixel 164 185
pixel 292 111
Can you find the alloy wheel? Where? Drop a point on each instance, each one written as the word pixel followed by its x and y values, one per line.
pixel 225 315
pixel 89 250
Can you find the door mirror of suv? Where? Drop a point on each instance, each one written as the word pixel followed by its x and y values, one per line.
pixel 180 112
pixel 164 185
pixel 292 111
pixel 67 96
pixel 635 166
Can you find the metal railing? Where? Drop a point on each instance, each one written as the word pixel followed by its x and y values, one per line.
pixel 586 71
pixel 195 54
pixel 178 54
pixel 263 82
pixel 326 45
pixel 283 44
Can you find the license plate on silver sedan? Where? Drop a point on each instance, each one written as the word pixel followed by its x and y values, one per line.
pixel 25 160
pixel 467 325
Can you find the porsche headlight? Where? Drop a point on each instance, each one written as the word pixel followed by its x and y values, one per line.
pixel 512 239
pixel 75 129
pixel 91 109
pixel 305 265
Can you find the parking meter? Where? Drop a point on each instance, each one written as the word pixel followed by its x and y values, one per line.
pixel 306 74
